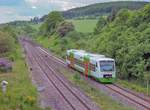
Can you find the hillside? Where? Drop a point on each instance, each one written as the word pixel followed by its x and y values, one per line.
pixel 99 9
pixel 125 38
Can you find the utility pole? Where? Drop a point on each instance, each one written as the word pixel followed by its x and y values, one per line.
pixel 147 78
pixel 4 86
pixel 147 87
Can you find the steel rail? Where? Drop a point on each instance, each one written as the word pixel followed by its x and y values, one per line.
pixel 54 73
pixel 146 100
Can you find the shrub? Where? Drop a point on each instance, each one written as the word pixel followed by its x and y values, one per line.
pixel 64 28
pixel 77 77
pixel 50 24
pixel 30 100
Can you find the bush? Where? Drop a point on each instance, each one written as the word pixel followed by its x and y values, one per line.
pixel 50 24
pixel 64 28
pixel 77 77
pixel 30 100
pixel 6 44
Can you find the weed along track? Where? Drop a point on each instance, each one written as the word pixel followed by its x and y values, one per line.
pixel 141 103
pixel 67 96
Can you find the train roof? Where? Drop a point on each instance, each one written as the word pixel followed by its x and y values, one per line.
pixel 83 53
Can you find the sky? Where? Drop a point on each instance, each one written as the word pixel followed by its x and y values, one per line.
pixel 11 10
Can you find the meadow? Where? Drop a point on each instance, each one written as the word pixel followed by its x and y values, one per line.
pixel 85 26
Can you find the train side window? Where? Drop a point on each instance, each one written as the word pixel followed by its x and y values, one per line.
pixel 92 67
pixel 96 65
pixel 79 62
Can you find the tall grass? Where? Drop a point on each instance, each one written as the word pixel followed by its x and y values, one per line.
pixel 21 94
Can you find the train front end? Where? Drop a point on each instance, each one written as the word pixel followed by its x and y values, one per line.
pixel 107 70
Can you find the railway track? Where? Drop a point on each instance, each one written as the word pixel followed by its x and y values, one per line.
pixel 67 92
pixel 139 100
pixel 61 78
pixel 55 105
pixel 145 99
pixel 136 99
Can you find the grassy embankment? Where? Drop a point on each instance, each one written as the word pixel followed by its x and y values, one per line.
pixel 134 85
pixel 36 26
pixel 21 94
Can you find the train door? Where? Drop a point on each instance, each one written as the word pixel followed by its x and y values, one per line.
pixel 71 58
pixel 87 66
pixel 94 69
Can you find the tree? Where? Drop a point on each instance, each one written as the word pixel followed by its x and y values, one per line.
pixel 122 16
pixel 6 43
pixel 51 23
pixel 35 20
pixel 10 30
pixel 28 29
pixel 112 15
pixel 100 24
pixel 64 28
pixel 146 13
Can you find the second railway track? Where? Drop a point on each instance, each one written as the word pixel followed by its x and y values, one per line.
pixel 68 94
pixel 139 100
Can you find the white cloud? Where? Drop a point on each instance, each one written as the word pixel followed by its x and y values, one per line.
pixel 8 14
pixel 34 7
pixel 32 1
pixel 64 4
pixel 36 2
pixel 55 4
pixel 6 10
pixel 6 19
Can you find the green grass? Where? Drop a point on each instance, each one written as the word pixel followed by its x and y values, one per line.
pixel 134 86
pixel 21 94
pixel 85 26
pixel 36 26
pixel 101 99
pixel 44 41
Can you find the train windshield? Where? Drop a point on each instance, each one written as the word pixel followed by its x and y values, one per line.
pixel 106 66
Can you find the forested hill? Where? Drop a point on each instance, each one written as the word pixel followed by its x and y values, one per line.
pixel 95 10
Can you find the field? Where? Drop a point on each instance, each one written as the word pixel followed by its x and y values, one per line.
pixel 85 26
